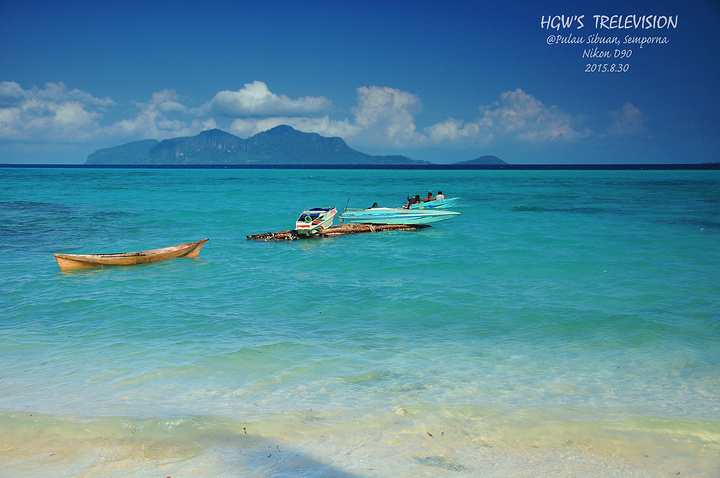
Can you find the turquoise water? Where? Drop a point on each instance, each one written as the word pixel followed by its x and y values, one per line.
pixel 566 324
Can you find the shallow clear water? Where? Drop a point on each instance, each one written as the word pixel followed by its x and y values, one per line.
pixel 566 324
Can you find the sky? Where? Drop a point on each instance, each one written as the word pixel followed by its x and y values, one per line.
pixel 441 81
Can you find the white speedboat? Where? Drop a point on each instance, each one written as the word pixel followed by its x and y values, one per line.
pixel 387 215
pixel 315 220
pixel 436 204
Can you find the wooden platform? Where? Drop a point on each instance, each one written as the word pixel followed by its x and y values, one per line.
pixel 338 230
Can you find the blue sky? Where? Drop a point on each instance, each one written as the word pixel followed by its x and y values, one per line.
pixel 440 81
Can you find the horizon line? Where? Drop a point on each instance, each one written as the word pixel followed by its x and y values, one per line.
pixel 456 166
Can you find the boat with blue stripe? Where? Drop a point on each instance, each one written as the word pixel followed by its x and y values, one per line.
pixel 436 204
pixel 387 215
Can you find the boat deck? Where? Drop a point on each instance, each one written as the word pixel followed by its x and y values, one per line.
pixel 338 230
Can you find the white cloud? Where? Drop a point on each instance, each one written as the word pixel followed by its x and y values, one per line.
pixel 383 117
pixel 524 117
pixel 518 116
pixel 454 130
pixel 58 93
pixel 627 121
pixel 50 114
pixel 162 117
pixel 11 94
pixel 255 99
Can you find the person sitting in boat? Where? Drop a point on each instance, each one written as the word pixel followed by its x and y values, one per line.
pixel 412 201
pixel 429 197
pixel 374 205
pixel 440 195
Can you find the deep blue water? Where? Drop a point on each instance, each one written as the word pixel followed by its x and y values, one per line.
pixel 566 324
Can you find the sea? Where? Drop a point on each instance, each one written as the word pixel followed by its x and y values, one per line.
pixel 566 324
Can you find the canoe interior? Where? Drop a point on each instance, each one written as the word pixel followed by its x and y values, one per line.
pixel 68 262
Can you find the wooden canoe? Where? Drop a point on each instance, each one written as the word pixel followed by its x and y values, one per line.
pixel 69 262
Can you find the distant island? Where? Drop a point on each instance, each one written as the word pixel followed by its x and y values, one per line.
pixel 282 145
pixel 483 160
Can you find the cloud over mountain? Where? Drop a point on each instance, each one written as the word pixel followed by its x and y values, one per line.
pixel 382 117
pixel 255 99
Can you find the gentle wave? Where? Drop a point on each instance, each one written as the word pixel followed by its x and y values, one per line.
pixel 566 323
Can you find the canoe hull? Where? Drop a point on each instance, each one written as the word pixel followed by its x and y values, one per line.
pixel 69 262
pixel 396 216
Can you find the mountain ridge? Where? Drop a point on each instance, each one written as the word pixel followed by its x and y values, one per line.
pixel 279 145
pixel 483 160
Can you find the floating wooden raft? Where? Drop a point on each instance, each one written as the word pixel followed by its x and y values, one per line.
pixel 339 230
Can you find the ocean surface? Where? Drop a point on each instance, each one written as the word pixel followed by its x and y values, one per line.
pixel 567 324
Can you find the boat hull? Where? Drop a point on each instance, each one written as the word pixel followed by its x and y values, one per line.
pixel 69 262
pixel 436 204
pixel 396 216
pixel 315 221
